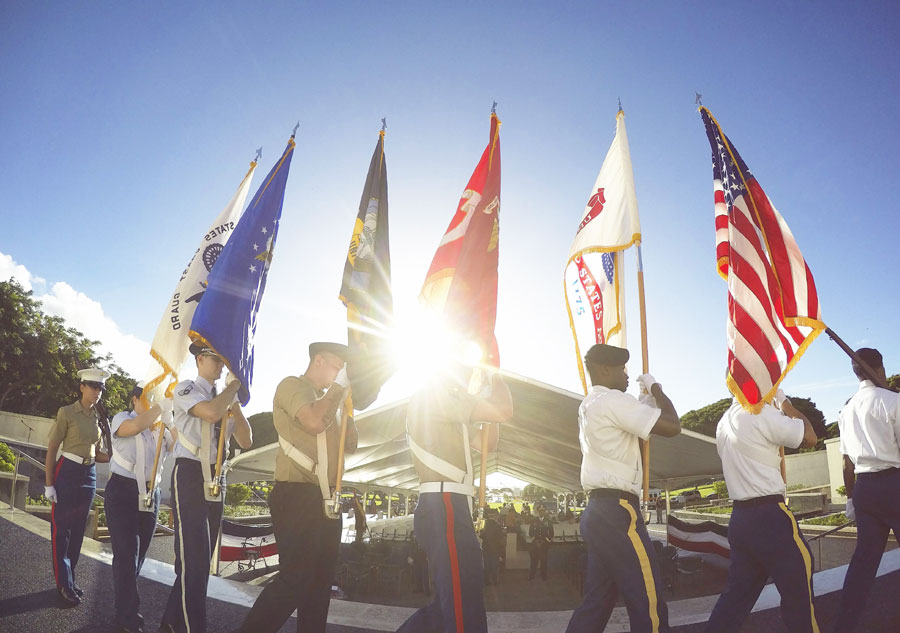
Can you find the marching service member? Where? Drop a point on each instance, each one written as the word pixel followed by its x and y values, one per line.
pixel 763 534
pixel 198 513
pixel 620 556
pixel 72 480
pixel 308 534
pixel 870 441
pixel 439 423
pixel 130 514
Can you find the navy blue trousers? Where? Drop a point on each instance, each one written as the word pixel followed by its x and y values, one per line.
pixel 130 532
pixel 766 542
pixel 308 544
pixel 620 559
pixel 443 528
pixel 197 523
pixel 75 487
pixel 876 501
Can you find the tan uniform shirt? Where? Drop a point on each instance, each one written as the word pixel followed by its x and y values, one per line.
pixel 434 420
pixel 77 430
pixel 292 393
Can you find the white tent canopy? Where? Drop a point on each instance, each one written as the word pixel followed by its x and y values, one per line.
pixel 539 445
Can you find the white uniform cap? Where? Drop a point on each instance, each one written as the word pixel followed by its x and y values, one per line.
pixel 94 375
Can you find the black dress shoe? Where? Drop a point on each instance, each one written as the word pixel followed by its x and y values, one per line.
pixel 68 596
pixel 78 591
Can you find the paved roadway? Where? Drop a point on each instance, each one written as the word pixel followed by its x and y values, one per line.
pixel 28 600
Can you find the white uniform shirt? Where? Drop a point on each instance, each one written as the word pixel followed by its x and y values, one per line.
pixel 187 394
pixel 127 447
pixel 609 425
pixel 764 432
pixel 870 429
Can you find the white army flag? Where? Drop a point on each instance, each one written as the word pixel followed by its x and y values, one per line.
pixel 593 279
pixel 170 344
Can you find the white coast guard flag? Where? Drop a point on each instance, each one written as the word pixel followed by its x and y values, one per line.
pixel 594 290
pixel 170 344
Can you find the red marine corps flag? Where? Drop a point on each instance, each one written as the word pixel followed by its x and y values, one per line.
pixel 773 307
pixel 461 284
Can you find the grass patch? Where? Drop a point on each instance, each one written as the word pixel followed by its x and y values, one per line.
pixel 832 519
pixel 245 510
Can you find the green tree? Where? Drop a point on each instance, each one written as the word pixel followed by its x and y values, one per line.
pixel 40 355
pixel 534 492
pixel 894 381
pixel 705 419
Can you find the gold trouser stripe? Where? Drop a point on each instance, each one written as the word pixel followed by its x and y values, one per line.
pixel 644 560
pixel 807 564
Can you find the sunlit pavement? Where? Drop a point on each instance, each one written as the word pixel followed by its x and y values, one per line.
pixel 28 600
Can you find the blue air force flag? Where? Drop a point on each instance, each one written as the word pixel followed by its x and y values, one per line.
pixel 225 319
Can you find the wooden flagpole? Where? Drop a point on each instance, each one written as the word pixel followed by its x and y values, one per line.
pixel 485 432
pixel 645 369
pixel 867 370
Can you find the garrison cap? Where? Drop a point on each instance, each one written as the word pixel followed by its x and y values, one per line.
pixel 341 351
pixel 199 350
pixel 93 374
pixel 603 354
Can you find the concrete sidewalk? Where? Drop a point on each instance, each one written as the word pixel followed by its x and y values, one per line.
pixel 28 599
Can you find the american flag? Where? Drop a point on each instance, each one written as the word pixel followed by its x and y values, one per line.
pixel 773 307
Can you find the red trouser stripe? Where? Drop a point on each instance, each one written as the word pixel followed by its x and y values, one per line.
pixel 54 529
pixel 454 565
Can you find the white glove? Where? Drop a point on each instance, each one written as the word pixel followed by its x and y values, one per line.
pixel 780 398
pixel 342 379
pixel 646 381
pixel 167 418
pixel 50 493
pixel 167 405
pixel 850 513
pixel 646 398
pixel 230 378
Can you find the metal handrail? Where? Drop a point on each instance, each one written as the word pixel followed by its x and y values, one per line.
pixel 831 531
pixel 31 460
pixel 818 537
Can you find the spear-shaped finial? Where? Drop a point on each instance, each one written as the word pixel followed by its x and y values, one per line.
pixel 620 104
pixel 258 154
pixel 383 124
pixel 698 99
pixel 296 127
pixel 494 108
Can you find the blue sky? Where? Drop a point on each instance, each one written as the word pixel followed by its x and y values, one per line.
pixel 127 127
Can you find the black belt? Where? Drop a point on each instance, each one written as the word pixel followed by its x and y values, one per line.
pixel 615 493
pixel 758 501
pixel 880 473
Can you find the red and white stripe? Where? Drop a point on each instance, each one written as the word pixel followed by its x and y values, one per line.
pixel 773 307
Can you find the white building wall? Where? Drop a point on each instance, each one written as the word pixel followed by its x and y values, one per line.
pixel 807 469
pixel 835 468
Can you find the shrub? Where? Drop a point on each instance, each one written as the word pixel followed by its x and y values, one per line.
pixel 831 519
pixel 720 489
pixel 7 459
pixel 236 494
pixel 841 490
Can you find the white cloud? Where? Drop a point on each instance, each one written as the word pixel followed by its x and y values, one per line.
pixel 9 269
pixel 85 315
